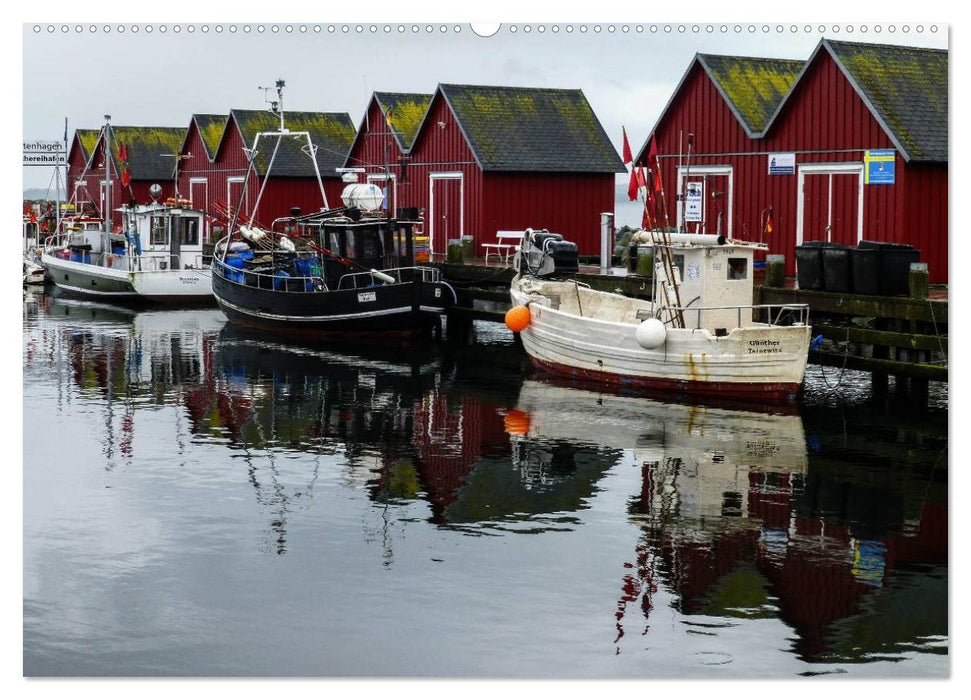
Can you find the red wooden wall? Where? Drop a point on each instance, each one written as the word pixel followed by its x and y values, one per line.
pixel 823 121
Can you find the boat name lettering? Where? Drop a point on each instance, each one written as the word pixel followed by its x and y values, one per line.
pixel 764 342
pixel 367 296
pixel 761 448
pixel 188 280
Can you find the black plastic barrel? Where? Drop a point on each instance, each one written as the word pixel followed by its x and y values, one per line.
pixel 865 263
pixel 894 265
pixel 809 264
pixel 837 269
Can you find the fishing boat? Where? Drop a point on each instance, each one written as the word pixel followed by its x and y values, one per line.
pixel 342 273
pixel 700 334
pixel 156 256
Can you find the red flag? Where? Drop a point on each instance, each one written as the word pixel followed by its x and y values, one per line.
pixel 645 223
pixel 652 153
pixel 632 185
pixel 125 177
pixel 33 218
pixel 654 164
pixel 641 180
pixel 628 158
pixel 768 224
pixel 122 151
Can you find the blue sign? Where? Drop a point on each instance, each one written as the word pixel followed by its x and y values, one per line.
pixel 880 167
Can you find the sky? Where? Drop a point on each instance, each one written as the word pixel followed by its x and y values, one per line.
pixel 141 75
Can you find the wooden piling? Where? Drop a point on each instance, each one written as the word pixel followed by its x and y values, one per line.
pixel 775 271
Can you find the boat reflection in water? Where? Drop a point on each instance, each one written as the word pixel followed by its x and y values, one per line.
pixel 740 520
pixel 729 525
pixel 410 425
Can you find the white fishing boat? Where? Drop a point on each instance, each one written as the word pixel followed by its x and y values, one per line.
pixel 157 256
pixel 700 333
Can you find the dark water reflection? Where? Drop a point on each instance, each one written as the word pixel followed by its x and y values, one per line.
pixel 199 501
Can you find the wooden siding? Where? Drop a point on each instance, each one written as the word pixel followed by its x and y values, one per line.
pixel 569 204
pixel 823 121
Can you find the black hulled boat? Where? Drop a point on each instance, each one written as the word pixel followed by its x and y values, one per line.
pixel 346 273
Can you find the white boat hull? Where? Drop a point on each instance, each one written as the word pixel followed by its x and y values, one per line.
pixel 160 286
pixel 752 361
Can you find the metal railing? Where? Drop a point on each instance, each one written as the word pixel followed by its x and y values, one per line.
pixel 262 279
pixel 768 314
pixel 358 280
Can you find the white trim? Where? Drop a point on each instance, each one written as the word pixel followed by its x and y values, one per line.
pixel 230 202
pixel 828 169
pixel 729 196
pixel 384 177
pixel 314 319
pixel 201 206
pixel 458 175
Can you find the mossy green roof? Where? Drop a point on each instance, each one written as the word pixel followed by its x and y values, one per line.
pixel 151 150
pixel 404 111
pixel 906 88
pixel 753 87
pixel 211 128
pixel 88 139
pixel 331 132
pixel 517 129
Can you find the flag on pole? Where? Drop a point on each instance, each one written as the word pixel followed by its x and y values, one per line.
pixel 628 158
pixel 655 166
pixel 641 180
pixel 768 222
pixel 632 185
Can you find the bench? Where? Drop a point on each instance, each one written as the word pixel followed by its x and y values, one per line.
pixel 505 245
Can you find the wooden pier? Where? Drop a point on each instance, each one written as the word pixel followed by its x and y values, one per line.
pixel 903 337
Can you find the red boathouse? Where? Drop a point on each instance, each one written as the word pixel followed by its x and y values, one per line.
pixel 849 145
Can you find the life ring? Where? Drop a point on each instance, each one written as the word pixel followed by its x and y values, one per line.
pixel 319 284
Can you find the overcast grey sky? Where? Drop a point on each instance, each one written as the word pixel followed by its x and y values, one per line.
pixel 147 77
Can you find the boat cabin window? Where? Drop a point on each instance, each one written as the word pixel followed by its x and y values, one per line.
pixel 189 231
pixel 159 231
pixel 679 263
pixel 737 268
pixel 369 246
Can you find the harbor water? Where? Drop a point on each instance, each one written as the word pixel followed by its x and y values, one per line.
pixel 199 501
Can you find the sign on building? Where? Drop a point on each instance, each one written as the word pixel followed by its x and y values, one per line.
pixel 45 153
pixel 694 201
pixel 880 167
pixel 782 164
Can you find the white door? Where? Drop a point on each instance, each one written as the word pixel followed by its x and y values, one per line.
pixel 446 211
pixel 713 213
pixel 830 204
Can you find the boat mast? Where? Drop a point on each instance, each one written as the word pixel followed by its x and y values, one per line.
pixel 107 140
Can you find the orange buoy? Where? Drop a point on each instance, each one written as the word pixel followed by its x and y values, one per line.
pixel 517 318
pixel 516 422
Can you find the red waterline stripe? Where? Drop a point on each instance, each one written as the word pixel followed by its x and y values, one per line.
pixel 776 391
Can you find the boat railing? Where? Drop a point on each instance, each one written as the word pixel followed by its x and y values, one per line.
pixel 261 279
pixel 768 314
pixel 266 279
pixel 359 280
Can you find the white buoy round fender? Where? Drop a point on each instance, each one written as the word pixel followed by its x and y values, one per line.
pixel 651 334
pixel 387 279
